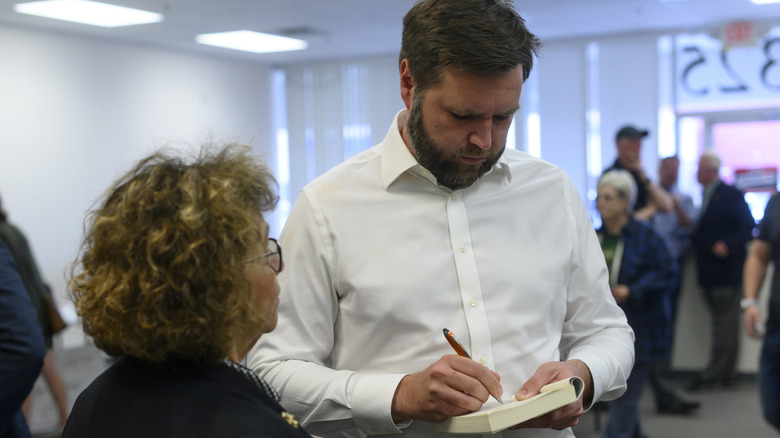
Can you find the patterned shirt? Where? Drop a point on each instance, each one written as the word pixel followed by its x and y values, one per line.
pixel 649 271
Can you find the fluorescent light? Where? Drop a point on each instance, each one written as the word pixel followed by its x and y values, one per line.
pixel 250 41
pixel 765 2
pixel 88 12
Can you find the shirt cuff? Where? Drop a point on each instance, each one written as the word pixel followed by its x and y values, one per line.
pixel 372 402
pixel 601 376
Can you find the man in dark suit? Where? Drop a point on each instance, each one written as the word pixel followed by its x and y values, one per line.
pixel 720 242
pixel 21 348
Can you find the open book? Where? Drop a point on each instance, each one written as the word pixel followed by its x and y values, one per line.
pixel 494 417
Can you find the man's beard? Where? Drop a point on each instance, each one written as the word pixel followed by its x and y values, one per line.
pixel 448 170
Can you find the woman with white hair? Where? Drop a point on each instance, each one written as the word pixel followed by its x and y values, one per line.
pixel 641 273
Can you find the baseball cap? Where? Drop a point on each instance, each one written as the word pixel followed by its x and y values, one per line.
pixel 630 131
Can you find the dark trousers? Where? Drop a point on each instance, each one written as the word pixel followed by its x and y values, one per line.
pixel 663 384
pixel 723 302
pixel 769 377
pixel 624 421
pixel 661 379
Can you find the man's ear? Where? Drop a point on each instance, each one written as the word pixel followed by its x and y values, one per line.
pixel 407 84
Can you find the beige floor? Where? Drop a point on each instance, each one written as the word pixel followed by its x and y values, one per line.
pixel 78 366
pixel 723 414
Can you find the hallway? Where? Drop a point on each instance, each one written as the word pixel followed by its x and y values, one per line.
pixel 733 413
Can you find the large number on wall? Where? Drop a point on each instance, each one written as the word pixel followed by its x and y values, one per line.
pixel 771 64
pixel 710 78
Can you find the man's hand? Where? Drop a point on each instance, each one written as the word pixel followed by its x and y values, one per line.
pixel 452 386
pixel 634 164
pixel 620 292
pixel 752 318
pixel 568 415
pixel 646 213
pixel 720 249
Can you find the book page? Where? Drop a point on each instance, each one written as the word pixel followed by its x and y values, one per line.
pixel 575 381
pixel 494 417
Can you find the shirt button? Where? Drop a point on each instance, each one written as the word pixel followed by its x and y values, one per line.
pixel 482 360
pixel 453 197
pixel 462 248
pixel 473 303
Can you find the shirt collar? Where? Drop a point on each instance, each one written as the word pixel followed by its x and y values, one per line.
pixel 712 184
pixel 502 165
pixel 397 159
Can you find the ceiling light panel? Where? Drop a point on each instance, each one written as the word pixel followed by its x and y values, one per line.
pixel 88 12
pixel 250 41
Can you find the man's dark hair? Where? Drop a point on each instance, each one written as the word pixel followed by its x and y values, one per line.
pixel 478 36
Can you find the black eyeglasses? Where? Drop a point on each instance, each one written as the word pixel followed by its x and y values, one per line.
pixel 274 255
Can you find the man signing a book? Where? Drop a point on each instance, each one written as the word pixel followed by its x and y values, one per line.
pixel 439 226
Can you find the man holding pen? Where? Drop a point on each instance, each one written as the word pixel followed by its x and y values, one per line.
pixel 438 226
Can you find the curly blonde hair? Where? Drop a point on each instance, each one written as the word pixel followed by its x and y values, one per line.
pixel 160 275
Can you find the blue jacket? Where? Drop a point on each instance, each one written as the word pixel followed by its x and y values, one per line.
pixel 726 218
pixel 21 348
pixel 649 270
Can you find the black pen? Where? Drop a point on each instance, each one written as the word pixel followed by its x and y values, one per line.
pixel 461 351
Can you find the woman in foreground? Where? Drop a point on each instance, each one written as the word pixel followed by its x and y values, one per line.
pixel 177 278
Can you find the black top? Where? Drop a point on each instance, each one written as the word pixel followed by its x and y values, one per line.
pixel 641 189
pixel 134 399
pixel 769 231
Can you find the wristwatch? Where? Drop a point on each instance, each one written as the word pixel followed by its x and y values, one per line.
pixel 744 303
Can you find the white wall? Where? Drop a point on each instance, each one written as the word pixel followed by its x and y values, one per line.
pixel 629 94
pixel 75 113
pixel 323 98
pixel 561 74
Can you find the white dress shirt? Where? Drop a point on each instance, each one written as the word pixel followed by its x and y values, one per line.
pixel 379 259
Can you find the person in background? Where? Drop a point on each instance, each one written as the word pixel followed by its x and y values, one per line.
pixel 21 348
pixel 177 278
pixel 441 226
pixel 765 248
pixel 650 197
pixel 720 242
pixel 675 227
pixel 642 274
pixel 39 295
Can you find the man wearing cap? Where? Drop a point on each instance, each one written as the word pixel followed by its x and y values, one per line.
pixel 650 197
